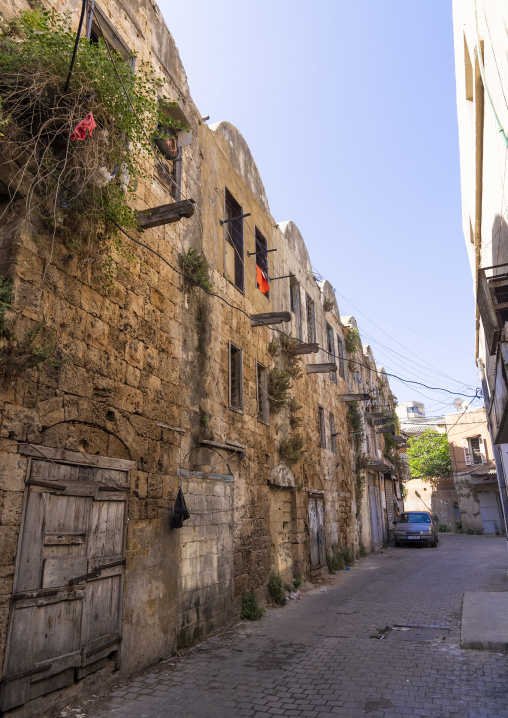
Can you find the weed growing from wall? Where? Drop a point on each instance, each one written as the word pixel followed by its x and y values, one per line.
pixel 195 267
pixel 352 339
pixel 6 299
pixel 291 449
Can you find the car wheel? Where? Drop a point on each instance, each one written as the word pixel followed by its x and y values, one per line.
pixel 397 544
pixel 434 543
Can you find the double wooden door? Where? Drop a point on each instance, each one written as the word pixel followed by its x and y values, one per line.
pixel 66 608
pixel 317 532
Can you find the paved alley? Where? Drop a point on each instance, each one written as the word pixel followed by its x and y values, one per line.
pixel 382 641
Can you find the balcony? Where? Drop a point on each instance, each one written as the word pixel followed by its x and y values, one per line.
pixel 498 413
pixel 492 299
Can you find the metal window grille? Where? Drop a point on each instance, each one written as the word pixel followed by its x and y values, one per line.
pixel 234 236
pixel 235 378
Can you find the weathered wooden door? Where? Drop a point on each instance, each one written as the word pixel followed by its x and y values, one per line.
pixel 375 518
pixel 66 608
pixel 317 532
pixel 390 508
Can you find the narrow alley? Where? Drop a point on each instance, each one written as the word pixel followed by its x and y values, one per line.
pixel 381 641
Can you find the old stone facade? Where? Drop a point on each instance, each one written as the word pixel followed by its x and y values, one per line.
pixel 161 385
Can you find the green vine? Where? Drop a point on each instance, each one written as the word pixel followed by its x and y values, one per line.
pixel 6 299
pixel 82 189
pixel 195 267
pixel 36 349
pixel 355 423
pixel 291 449
pixel 352 339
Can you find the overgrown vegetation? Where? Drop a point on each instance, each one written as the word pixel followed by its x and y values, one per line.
pixel 328 304
pixel 355 423
pixel 352 340
pixel 429 455
pixel 279 385
pixel 6 299
pixel 276 590
pixel 195 268
pixel 291 449
pixel 339 558
pixel 251 610
pixel 80 189
pixel 36 349
pixel 295 421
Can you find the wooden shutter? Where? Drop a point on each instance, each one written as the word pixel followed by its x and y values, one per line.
pixel 66 605
pixel 467 452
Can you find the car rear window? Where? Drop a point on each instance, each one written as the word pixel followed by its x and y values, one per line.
pixel 414 518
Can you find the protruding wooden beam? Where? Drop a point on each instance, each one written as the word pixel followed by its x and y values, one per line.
pixel 165 214
pixel 303 349
pixel 320 368
pixel 229 447
pixel 258 320
pixel 354 397
pixel 373 415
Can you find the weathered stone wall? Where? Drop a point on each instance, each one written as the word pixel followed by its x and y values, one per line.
pixel 143 375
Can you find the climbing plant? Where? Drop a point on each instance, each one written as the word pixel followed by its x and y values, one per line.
pixel 352 338
pixel 429 455
pixel 80 189
pixel 195 268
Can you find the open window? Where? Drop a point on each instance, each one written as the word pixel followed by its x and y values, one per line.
pixel 100 27
pixel 169 139
pixel 262 393
pixel 262 264
pixel 235 378
pixel 492 299
pixel 233 234
pixel 474 451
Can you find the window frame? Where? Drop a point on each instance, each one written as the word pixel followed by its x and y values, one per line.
pixel 311 320
pixel 296 306
pixel 262 399
pixel 321 427
pixel 333 430
pixel 238 354
pixel 340 354
pixel 234 236
pixel 261 249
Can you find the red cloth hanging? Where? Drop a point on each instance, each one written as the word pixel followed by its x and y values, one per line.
pixel 79 132
pixel 261 280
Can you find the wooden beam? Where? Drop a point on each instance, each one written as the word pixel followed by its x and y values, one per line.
pixel 304 349
pixel 373 415
pixel 165 214
pixel 320 368
pixel 354 397
pixel 258 320
pixel 230 447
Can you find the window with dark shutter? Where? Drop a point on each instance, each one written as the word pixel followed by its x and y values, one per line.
pixel 333 435
pixel 235 378
pixel 233 229
pixel 262 393
pixel 311 321
pixel 340 356
pixel 331 351
pixel 296 307
pixel 322 428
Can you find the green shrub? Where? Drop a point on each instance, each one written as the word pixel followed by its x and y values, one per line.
pixel 5 304
pixel 297 581
pixel 443 528
pixel 195 268
pixel 251 610
pixel 470 532
pixel 363 551
pixel 458 527
pixel 276 590
pixel 353 341
pixel 348 556
pixel 292 449
pixel 335 562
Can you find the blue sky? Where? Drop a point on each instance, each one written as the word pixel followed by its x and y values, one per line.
pixel 349 111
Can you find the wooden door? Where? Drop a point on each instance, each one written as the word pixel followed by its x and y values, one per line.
pixel 66 607
pixel 317 532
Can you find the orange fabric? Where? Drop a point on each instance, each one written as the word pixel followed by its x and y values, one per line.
pixel 262 283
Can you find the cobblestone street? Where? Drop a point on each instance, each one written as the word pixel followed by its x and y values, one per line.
pixel 341 650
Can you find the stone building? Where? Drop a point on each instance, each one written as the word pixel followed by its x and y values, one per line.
pixel 235 389
pixel 481 69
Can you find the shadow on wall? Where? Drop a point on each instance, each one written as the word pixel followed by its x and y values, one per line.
pixel 499 240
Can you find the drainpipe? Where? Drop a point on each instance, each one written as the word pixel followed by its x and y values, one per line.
pixel 479 113
pixel 501 478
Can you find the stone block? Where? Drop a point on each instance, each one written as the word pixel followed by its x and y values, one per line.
pixel 156 299
pixel 12 506
pixel 75 380
pixel 96 332
pixel 18 423
pixel 135 304
pixel 12 472
pixel 8 545
pixel 128 398
pixel 91 301
pixel 135 353
pixel 51 411
pixel 132 376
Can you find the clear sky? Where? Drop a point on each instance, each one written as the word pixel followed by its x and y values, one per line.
pixel 349 111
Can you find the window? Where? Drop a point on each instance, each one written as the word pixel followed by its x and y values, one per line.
pixel 233 229
pixel 235 378
pixel 311 321
pixel 333 435
pixel 340 355
pixel 262 393
pixel 296 307
pixel 101 27
pixel 322 428
pixel 474 451
pixel 262 264
pixel 331 350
